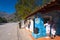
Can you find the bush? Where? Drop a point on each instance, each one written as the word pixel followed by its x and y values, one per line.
pixel 3 20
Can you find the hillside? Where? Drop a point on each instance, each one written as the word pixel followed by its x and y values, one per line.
pixel 8 17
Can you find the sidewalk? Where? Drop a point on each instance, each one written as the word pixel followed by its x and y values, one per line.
pixel 56 38
pixel 26 35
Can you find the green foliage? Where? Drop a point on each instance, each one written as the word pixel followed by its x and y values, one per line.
pixel 24 7
pixel 2 20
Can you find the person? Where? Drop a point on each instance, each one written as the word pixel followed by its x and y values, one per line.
pixel 20 25
pixel 27 25
pixel 53 31
pixel 47 25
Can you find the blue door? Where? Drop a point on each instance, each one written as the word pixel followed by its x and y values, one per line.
pixel 39 29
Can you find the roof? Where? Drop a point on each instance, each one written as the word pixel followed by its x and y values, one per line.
pixel 54 5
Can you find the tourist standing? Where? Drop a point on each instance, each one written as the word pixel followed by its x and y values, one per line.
pixel 47 25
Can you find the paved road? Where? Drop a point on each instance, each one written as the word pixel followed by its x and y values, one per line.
pixel 9 31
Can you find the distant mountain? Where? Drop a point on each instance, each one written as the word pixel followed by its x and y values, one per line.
pixel 3 14
pixel 9 17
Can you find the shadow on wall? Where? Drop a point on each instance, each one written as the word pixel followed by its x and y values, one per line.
pixel 58 27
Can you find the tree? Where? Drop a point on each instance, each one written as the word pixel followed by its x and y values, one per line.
pixel 0 19
pixel 3 20
pixel 24 7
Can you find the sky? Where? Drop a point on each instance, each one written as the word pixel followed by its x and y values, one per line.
pixel 8 6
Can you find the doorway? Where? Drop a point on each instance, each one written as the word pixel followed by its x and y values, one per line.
pixel 47 18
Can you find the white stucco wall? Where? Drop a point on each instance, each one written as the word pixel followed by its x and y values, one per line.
pixel 22 23
pixel 31 25
pixel 26 25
